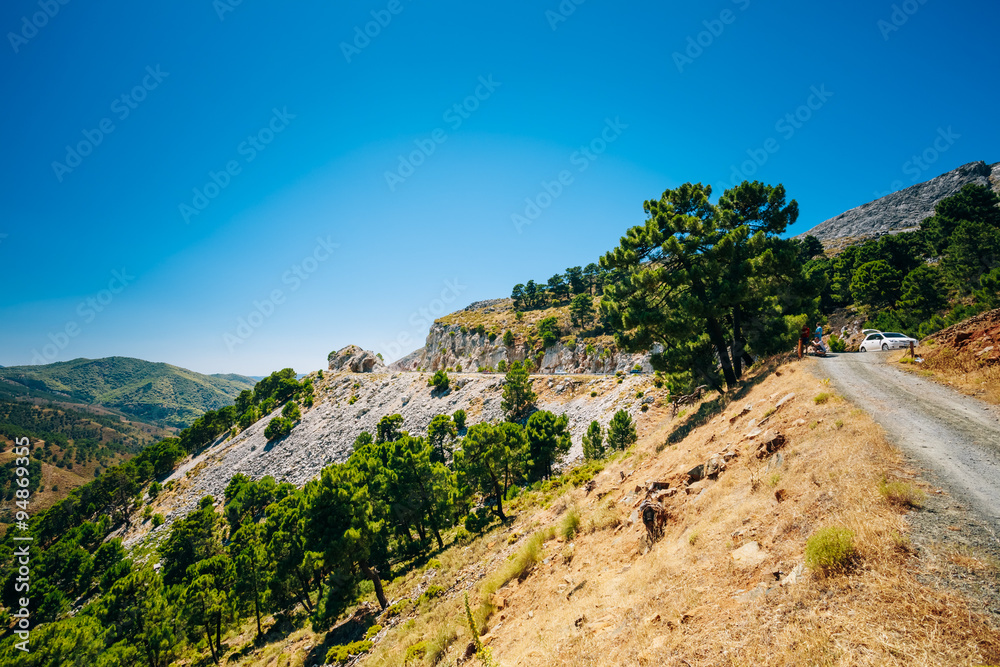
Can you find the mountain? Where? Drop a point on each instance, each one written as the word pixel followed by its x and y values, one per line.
pixel 153 392
pixel 904 209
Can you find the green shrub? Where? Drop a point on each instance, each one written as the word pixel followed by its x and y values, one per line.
pixel 431 593
pixel 398 608
pixel 278 428
pixel 837 344
pixel 291 411
pixel 343 653
pixel 902 494
pixel 830 550
pixel 352 400
pixel 570 524
pixel 639 394
pixel 593 394
pixel 459 419
pixel 439 381
pixel 417 652
pixel 502 366
pixel 372 631
pixel 822 398
pixel 158 520
pixel 548 331
pixel 154 489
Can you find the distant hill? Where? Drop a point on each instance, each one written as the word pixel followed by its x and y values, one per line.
pixel 904 209
pixel 70 447
pixel 153 392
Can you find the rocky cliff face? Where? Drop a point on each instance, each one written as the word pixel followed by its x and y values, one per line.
pixel 907 208
pixel 448 347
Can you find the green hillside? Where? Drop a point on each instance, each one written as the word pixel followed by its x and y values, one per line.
pixel 152 392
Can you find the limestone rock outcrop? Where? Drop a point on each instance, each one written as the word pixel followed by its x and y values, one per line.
pixel 352 359
pixel 448 346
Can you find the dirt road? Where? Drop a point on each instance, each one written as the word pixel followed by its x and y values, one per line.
pixel 955 437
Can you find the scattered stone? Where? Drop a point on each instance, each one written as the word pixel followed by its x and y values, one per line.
pixel 784 400
pixel 749 555
pixel 770 442
pixel 795 576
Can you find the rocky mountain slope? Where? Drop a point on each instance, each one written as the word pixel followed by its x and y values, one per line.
pixel 154 392
pixel 904 209
pixel 348 403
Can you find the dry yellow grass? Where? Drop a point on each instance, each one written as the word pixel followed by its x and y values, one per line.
pixel 964 372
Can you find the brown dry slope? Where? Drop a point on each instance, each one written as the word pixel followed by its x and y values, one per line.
pixel 708 592
pixel 724 584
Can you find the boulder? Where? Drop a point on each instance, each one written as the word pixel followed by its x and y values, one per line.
pixel 352 359
pixel 770 442
pixel 749 555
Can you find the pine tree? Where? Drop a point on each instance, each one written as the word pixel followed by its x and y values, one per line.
pixel 697 277
pixel 621 431
pixel 518 395
pixel 548 442
pixel 593 442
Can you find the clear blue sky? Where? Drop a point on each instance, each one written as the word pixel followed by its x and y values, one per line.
pixel 200 80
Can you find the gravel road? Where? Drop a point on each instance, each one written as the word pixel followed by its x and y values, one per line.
pixel 955 437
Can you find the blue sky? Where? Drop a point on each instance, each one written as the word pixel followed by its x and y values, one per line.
pixel 220 186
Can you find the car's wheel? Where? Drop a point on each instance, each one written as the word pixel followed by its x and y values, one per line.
pixel 885 347
pixel 863 348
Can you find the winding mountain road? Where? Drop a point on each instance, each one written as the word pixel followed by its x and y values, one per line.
pixel 954 436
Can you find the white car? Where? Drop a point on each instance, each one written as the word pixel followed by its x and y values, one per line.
pixel 890 340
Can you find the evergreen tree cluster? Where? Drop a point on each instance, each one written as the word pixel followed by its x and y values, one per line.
pixel 921 281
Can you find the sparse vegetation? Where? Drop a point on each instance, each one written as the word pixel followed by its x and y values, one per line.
pixel 822 398
pixel 902 494
pixel 830 550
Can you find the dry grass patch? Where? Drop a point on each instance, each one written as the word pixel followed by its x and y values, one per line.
pixel 964 372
